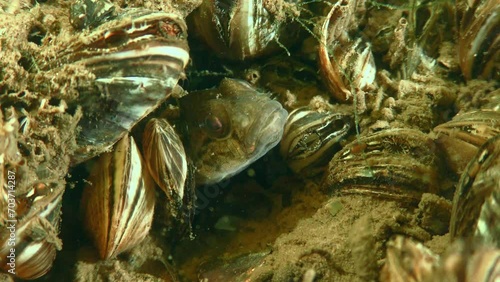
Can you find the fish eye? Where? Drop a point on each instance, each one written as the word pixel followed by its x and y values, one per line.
pixel 216 126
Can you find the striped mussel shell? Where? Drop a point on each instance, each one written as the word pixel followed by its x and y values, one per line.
pixel 137 59
pixel 165 158
pixel 346 65
pixel 311 137
pixel 461 137
pixel 239 268
pixel 395 164
pixel 408 260
pixel 476 204
pixel 470 262
pixel 31 228
pixel 243 29
pixel 478 38
pixel 118 203
pixel 90 13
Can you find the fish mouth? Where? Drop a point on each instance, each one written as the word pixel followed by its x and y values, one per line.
pixel 265 132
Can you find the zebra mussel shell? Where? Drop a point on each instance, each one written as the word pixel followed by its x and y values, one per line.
pixel 470 262
pixel 242 29
pixel 311 137
pixel 165 159
pixel 346 65
pixel 38 214
pixel 398 164
pixel 137 59
pixel 408 260
pixel 118 204
pixel 476 204
pixel 461 137
pixel 90 13
pixel 478 38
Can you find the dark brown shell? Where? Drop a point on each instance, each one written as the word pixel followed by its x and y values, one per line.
pixel 398 164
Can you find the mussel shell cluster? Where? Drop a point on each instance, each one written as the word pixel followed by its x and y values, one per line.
pixel 137 59
pixel 134 59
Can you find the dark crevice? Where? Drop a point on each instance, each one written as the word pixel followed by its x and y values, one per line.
pixel 36 35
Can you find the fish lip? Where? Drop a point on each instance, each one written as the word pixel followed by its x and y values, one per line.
pixel 262 136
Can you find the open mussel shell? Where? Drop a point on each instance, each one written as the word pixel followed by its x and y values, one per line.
pixel 395 164
pixel 476 205
pixel 311 137
pixel 165 158
pixel 346 65
pixel 478 38
pixel 137 59
pixel 32 231
pixel 461 137
pixel 118 203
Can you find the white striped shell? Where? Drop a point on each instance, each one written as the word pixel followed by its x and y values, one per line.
pixel 119 203
pixel 166 159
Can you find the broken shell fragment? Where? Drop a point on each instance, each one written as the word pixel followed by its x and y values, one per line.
pixel 165 158
pixel 311 137
pixel 118 205
pixel 476 210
